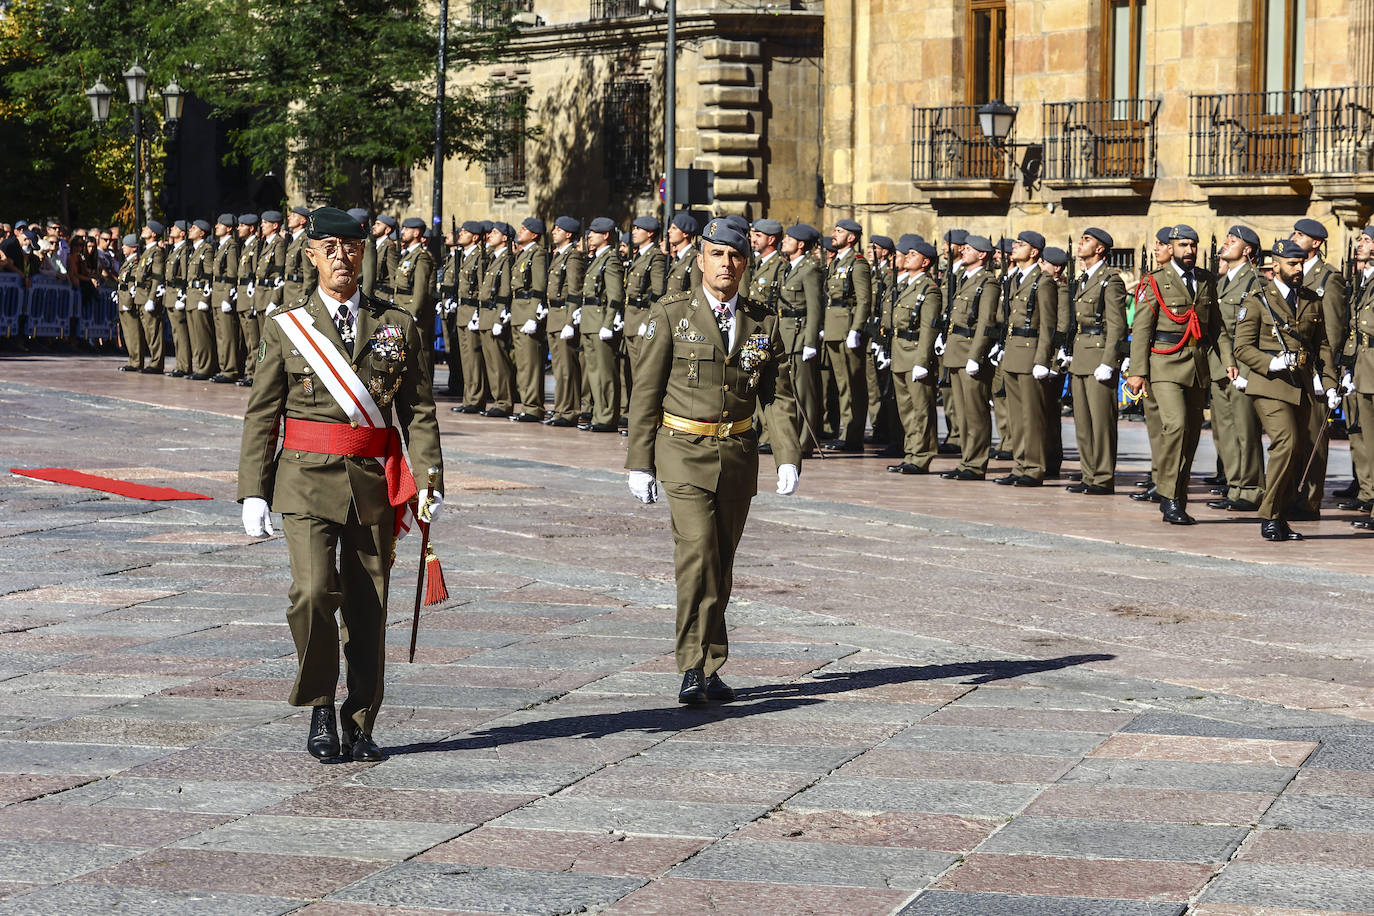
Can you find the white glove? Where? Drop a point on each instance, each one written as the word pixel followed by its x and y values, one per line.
pixel 939 345
pixel 643 329
pixel 1039 372
pixel 852 341
pixel 882 360
pixel 1126 366
pixel 1333 398
pixel 160 291
pixel 1103 373
pixel 808 353
pixel 618 323
pixel 919 373
pixel 605 333
pixel 644 486
pixel 251 286
pixel 821 334
pixel 474 324
pixel 787 479
pixel 1280 362
pixel 281 281
pixel 577 315
pixel 971 367
pixel 257 518
pixel 874 347
pixel 1317 386
pixel 1347 385
pixel 530 327
pixel 430 503
pixel 226 307
pixel 202 306
pixel 995 354
pixel 1239 382
pixel 497 328
pixel 541 312
pixel 179 305
pixel 450 306
pixel 567 332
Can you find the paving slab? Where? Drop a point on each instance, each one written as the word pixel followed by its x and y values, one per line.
pixel 949 903
pixel 665 818
pixel 80 899
pixel 932 796
pixel 681 896
pixel 47 862
pixel 816 863
pixel 342 838
pixel 1320 887
pixel 1087 838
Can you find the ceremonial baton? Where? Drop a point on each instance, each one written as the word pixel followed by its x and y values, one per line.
pixel 424 561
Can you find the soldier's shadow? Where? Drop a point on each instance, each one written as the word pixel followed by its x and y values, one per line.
pixel 749 701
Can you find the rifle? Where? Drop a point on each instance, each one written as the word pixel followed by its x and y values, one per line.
pixel 436 592
pixel 1066 336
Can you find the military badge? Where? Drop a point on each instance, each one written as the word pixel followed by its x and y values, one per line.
pixel 756 351
pixel 308 385
pixel 381 392
pixel 650 329
pixel 1240 313
pixel 683 327
pixel 262 351
pixel 389 343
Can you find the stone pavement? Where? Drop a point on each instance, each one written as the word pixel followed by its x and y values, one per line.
pixel 953 699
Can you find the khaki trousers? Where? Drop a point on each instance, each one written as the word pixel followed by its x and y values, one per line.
pixel 181 337
pixel 248 324
pixel 806 385
pixel 602 384
pixel 1289 445
pixel 1312 494
pixel 228 342
pixel 152 336
pixel 475 393
pixel 1094 419
pixel 500 369
pixel 132 331
pixel 200 324
pixel 1236 435
pixel 1180 425
pixel 1362 444
pixel 1026 421
pixel 916 410
pixel 851 385
pixel 567 377
pixel 975 417
pixel 529 372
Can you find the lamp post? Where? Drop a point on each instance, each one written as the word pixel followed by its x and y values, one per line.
pixel 995 119
pixel 136 82
pixel 436 242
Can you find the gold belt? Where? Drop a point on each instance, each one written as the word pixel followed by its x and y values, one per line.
pixel 721 430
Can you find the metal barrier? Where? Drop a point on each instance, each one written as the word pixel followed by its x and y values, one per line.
pixel 439 333
pixel 97 316
pixel 51 306
pixel 11 304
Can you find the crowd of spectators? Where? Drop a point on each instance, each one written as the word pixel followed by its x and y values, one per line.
pixel 88 259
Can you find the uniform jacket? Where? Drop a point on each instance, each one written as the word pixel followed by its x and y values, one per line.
pixel 915 325
pixel 298 271
pixel 646 279
pixel 1031 307
pixel 684 369
pixel 324 486
pixel 1099 304
pixel 412 282
pixel 495 292
pixel 1258 341
pixel 1327 282
pixel 387 259
pixel 564 285
pixel 1188 365
pixel 248 272
pixel 150 270
pixel 270 273
pixel 126 284
pixel 200 270
pixel 1362 336
pixel 971 320
pixel 468 281
pixel 530 284
pixel 682 272
pixel 764 284
pixel 849 295
pixel 603 291
pixel 1230 295
pixel 801 306
pixel 176 273
pixel 226 275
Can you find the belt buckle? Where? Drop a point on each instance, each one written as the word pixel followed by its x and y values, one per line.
pixel 723 429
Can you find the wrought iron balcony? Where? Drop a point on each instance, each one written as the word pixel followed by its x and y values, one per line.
pixel 949 146
pixel 1100 140
pixel 616 9
pixel 1306 132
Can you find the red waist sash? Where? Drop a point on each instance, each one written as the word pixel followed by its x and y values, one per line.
pixel 357 442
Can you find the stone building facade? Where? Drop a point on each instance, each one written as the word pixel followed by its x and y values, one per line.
pixel 1131 114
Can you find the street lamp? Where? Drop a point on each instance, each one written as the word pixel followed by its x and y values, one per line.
pixel 99 96
pixel 995 119
pixel 173 100
pixel 136 78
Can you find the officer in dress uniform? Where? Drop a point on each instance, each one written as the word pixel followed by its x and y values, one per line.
pixel 150 274
pixel 764 286
pixel 1097 331
pixel 385 255
pixel 174 298
pixel 1176 324
pixel 801 313
pixel 245 305
pixel 849 292
pixel 567 269
pixel 708 357
pixel 412 282
pixel 130 327
pixel 1235 425
pixel 682 254
pixel 299 272
pixel 1360 379
pixel 1279 337
pixel 1163 254
pixel 602 318
pixel 224 293
pixel 330 479
pixel 915 367
pixel 969 335
pixel 200 277
pixel 269 281
pixel 530 282
pixel 467 280
pixel 1326 281
pixel 493 321
pixel 646 279
pixel 1028 344
pixel 949 283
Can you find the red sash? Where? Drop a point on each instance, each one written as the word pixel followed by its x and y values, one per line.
pixel 357 442
pixel 1193 328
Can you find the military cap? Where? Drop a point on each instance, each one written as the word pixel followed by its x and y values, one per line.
pixel 1287 248
pixel 1003 245
pixel 226 219
pixel 905 243
pixel 602 224
pixel 248 219
pixel 129 241
pixel 568 224
pixel 804 233
pixel 1311 228
pixel 925 248
pixel 486 225
pixel 1182 231
pixel 387 220
pixel 157 227
pixel 331 222
pixel 849 225
pixel 358 213
pixel 1102 235
pixel 722 233
pixel 687 223
pixel 1369 231
pixel 505 229
pixel 413 222
pixel 979 243
pixel 181 224
pixel 882 241
pixel 473 226
pixel 1056 256
pixel 305 211
pixel 737 223
pixel 1246 235
pixel 203 225
pixel 647 223
pixel 767 226
pixel 271 216
pixel 1033 239
pixel 956 237
pixel 533 224
pixel 828 243
pixel 1163 234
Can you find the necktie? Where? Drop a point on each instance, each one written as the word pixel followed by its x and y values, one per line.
pixel 1293 300
pixel 1188 281
pixel 723 320
pixel 343 320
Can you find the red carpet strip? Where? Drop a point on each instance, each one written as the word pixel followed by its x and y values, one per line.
pixel 106 484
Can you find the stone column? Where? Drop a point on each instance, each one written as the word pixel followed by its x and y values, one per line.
pixel 730 123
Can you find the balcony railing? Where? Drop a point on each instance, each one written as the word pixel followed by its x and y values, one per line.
pixel 948 145
pixel 616 9
pixel 1100 139
pixel 1303 132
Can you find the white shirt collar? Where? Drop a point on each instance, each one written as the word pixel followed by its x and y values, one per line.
pixel 1310 263
pixel 912 278
pixel 713 301
pixel 601 249
pixel 764 259
pixel 645 247
pixel 562 248
pixel 468 250
pixel 970 271
pixel 334 304
pixel 1282 287
pixel 683 251
pixel 298 233
pixel 1231 274
pixel 529 245
pixel 798 259
pixel 267 239
pixel 413 246
pixel 497 251
pixel 1369 271
pixel 1087 274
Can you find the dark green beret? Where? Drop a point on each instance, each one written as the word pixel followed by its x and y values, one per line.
pixel 331 222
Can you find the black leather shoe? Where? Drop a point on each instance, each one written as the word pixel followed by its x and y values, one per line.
pixel 1097 489
pixel 561 423
pixel 896 468
pixel 1077 488
pixel 909 468
pixel 1174 513
pixel 966 474
pixel 1218 491
pixel 600 427
pixel 1024 481
pixel 128 368
pixel 357 745
pixel 693 689
pixel 1146 483
pixel 466 408
pixel 175 373
pixel 1000 454
pixel 1243 505
pixel 839 445
pixel 244 383
pixel 323 742
pixel 150 370
pixel 949 448
pixel 717 691
pixel 1215 480
pixel 1356 505
pixel 524 418
pixel 1302 515
pixel 1008 481
pixel 1222 503
pixel 1347 492
pixel 1146 496
pixel 765 448
pixel 951 474
pixel 1076 478
pixel 1288 533
pixel 198 377
pixel 223 380
pixel 495 413
pixel 1364 524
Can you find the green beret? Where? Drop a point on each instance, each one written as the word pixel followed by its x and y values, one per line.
pixel 331 222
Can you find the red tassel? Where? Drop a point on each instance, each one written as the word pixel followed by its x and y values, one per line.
pixel 435 589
